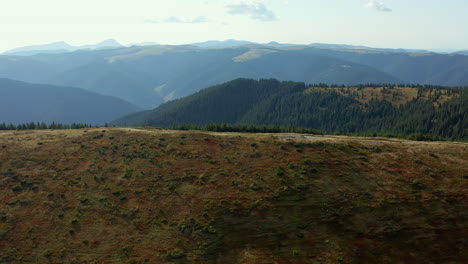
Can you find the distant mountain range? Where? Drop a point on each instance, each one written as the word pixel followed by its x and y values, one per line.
pixel 235 43
pixel 354 47
pixel 24 102
pixel 368 109
pixel 60 47
pixel 150 75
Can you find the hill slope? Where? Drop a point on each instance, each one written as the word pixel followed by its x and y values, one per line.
pixel 462 52
pixel 154 74
pixel 437 111
pixel 24 102
pixel 152 196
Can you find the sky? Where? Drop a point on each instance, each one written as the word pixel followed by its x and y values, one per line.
pixel 413 24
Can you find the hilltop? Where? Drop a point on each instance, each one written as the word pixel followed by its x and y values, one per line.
pixel 157 196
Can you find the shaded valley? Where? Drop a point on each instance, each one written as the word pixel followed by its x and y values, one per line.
pixel 22 102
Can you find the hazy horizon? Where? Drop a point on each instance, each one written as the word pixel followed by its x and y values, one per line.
pixel 147 43
pixel 416 24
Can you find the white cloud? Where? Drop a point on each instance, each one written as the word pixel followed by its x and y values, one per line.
pixel 177 20
pixel 199 19
pixel 256 10
pixel 377 5
pixel 173 19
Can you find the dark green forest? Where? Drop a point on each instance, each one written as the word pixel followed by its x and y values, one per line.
pixel 287 104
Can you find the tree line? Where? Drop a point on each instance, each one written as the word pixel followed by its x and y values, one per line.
pixel 244 128
pixel 42 125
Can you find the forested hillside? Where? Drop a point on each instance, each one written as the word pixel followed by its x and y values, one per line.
pixel 366 109
pixel 24 102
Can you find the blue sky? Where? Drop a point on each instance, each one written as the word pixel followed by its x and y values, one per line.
pixel 426 24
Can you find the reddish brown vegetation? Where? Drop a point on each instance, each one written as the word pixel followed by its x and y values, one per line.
pixel 151 196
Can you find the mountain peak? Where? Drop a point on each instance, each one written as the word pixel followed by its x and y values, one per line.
pixel 109 42
pixel 59 45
